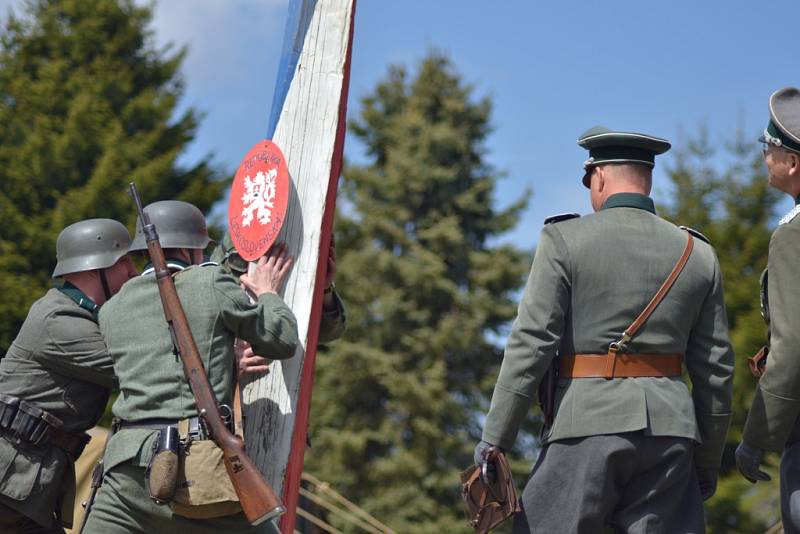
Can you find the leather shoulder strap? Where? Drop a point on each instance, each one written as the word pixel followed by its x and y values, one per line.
pixel 238 420
pixel 658 297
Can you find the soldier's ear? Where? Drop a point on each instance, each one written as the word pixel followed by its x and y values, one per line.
pixel 794 164
pixel 600 176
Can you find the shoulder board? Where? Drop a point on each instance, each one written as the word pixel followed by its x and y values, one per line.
pixel 789 217
pixel 561 217
pixel 695 233
pixel 209 264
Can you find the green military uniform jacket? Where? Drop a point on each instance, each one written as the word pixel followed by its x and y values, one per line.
pixel 773 417
pixel 59 363
pixel 591 277
pixel 152 382
pixel 334 319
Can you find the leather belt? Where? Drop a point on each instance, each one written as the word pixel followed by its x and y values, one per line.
pixel 194 426
pixel 620 365
pixel 195 429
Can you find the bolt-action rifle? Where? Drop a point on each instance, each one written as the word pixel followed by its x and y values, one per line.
pixel 256 496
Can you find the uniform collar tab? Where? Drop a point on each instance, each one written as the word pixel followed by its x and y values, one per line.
pixel 630 200
pixel 80 298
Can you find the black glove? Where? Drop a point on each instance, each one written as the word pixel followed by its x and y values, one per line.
pixel 480 451
pixel 748 460
pixel 488 468
pixel 707 478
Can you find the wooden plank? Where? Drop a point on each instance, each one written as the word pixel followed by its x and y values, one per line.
pixel 310 131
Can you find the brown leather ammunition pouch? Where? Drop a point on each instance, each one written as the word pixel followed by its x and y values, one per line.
pixel 488 492
pixel 758 363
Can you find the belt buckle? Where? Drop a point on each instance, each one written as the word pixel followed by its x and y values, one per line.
pixel 611 357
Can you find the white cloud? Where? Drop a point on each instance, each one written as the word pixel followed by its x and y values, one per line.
pixel 224 36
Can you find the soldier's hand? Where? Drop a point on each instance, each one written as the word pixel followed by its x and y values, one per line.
pixel 707 479
pixel 480 449
pixel 748 460
pixel 479 456
pixel 270 272
pixel 330 274
pixel 247 362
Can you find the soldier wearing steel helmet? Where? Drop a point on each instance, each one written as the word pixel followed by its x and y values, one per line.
pixel 773 423
pixel 154 393
pixel 629 445
pixel 55 379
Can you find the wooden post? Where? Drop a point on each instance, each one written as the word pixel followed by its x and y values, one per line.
pixel 309 128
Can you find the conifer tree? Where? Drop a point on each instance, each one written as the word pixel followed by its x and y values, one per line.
pixel 398 402
pixel 87 104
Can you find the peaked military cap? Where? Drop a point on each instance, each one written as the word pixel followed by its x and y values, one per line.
pixel 608 146
pixel 783 129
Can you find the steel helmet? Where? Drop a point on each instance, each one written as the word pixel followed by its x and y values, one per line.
pixel 90 244
pixel 179 225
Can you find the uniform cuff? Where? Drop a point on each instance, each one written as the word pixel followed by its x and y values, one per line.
pixel 713 429
pixel 770 421
pixel 508 410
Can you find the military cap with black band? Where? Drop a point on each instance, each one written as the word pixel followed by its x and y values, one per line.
pixel 607 146
pixel 783 129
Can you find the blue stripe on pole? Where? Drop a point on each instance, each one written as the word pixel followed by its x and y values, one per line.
pixel 297 22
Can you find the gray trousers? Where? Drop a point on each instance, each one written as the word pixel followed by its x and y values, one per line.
pixel 123 505
pixel 629 482
pixel 790 488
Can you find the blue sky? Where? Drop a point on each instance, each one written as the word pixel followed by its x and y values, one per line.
pixel 553 69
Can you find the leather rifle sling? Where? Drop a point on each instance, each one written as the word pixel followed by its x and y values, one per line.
pixel 651 306
pixel 237 399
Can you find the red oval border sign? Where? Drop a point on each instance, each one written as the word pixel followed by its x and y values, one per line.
pixel 259 196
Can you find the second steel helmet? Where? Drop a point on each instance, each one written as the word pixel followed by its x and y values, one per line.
pixel 90 244
pixel 179 225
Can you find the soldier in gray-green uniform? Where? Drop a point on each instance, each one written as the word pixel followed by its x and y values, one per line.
pixel 334 319
pixel 637 453
pixel 154 392
pixel 55 379
pixel 773 423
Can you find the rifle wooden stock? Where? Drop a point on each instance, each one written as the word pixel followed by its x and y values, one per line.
pixel 258 499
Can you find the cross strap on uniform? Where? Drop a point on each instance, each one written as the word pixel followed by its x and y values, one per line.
pixel 617 364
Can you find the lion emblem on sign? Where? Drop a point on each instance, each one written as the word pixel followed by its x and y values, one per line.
pixel 258 198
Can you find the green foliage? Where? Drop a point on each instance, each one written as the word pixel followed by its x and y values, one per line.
pixel 736 209
pixel 428 294
pixel 87 104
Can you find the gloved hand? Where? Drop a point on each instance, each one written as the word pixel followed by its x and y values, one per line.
pixel 707 478
pixel 480 450
pixel 480 460
pixel 748 459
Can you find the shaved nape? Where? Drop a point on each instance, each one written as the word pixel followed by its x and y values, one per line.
pixel 639 178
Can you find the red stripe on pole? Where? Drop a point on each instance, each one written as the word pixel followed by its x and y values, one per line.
pixel 294 468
